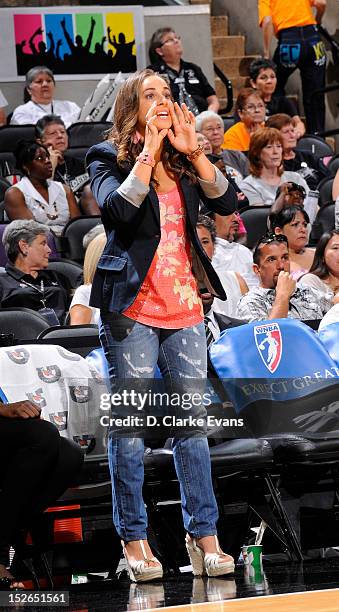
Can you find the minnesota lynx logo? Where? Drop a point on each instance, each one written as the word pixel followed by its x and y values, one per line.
pixel 49 374
pixel 67 354
pixel 19 355
pixel 59 419
pixel 86 442
pixel 80 394
pixel 37 397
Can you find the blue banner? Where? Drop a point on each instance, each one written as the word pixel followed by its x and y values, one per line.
pixel 277 360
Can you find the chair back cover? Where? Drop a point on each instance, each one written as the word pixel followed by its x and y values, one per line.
pixel 276 360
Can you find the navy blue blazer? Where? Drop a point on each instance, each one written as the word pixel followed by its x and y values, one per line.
pixel 133 231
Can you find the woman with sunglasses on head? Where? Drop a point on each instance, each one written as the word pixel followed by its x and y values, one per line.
pixel 293 222
pixel 266 168
pixel 148 179
pixel 36 196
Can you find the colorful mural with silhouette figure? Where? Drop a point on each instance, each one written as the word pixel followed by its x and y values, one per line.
pixel 75 43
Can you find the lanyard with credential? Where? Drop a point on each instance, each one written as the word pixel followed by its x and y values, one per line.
pixel 41 291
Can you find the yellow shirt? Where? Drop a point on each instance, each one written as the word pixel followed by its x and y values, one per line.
pixel 237 138
pixel 286 14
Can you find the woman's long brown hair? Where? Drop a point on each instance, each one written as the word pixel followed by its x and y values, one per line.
pixel 124 129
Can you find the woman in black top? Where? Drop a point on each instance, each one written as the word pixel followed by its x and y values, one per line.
pixel 26 282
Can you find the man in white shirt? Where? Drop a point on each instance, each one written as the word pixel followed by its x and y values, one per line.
pixel 230 255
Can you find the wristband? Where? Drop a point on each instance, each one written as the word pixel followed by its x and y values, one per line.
pixel 146 158
pixel 198 151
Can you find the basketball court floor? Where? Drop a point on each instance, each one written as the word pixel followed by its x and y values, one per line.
pixel 311 586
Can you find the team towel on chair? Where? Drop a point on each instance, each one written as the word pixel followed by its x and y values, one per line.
pixel 62 383
pixel 277 360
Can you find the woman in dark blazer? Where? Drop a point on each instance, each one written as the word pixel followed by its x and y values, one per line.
pixel 148 179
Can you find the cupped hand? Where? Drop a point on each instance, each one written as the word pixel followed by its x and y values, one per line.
pixel 182 136
pixel 286 284
pixel 153 136
pixel 20 410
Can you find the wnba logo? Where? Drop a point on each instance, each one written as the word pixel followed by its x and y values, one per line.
pixel 269 344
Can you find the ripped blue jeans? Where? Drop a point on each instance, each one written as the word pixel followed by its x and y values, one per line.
pixel 133 351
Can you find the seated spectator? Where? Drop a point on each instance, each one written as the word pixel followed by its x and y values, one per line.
pixel 263 78
pixel 50 131
pixel 212 126
pixel 266 168
pixel 251 110
pixel 233 283
pixel 37 466
pixel 278 296
pixel 36 196
pixel 335 186
pixel 324 271
pixel 188 82
pixel 229 255
pixel 40 87
pixel 304 162
pixel 293 222
pixel 81 313
pixel 202 140
pixel 3 104
pixel 26 281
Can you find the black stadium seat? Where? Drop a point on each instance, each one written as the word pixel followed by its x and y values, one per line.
pixel 23 323
pixel 72 235
pixel 315 144
pixel 85 134
pixel 80 339
pixel 325 190
pixel 69 269
pixel 11 134
pixel 255 221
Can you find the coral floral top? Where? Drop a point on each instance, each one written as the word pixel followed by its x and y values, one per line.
pixel 169 297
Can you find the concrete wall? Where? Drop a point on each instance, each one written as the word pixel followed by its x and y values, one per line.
pixel 186 20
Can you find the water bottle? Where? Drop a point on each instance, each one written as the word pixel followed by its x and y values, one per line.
pixel 336 214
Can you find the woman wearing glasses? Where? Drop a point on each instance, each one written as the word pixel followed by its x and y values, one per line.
pixel 188 82
pixel 36 196
pixel 251 111
pixel 266 168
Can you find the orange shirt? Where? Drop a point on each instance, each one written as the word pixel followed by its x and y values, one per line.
pixel 168 297
pixel 237 138
pixel 286 14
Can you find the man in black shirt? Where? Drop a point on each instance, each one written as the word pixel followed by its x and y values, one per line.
pixel 188 82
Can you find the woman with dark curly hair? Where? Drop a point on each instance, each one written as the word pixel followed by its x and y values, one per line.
pixel 148 179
